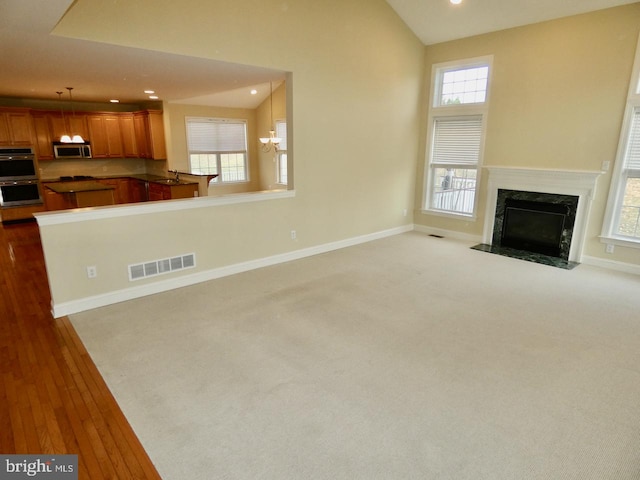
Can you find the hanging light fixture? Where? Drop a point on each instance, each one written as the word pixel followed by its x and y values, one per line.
pixel 271 140
pixel 68 138
pixel 64 138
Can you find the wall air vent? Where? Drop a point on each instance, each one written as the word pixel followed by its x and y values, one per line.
pixel 160 267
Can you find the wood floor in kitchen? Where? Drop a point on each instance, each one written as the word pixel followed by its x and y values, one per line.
pixel 52 398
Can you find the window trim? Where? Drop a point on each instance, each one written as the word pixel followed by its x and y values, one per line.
pixel 620 174
pixel 437 112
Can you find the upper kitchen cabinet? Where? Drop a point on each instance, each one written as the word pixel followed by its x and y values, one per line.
pixel 105 136
pixel 15 127
pixel 149 131
pixel 50 126
pixel 127 129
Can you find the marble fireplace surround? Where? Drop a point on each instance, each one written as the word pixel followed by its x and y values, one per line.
pixel 580 183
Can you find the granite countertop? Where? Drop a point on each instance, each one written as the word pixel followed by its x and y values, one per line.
pixel 94 180
pixel 77 186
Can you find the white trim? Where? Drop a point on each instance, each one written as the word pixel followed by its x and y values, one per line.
pixel 611 265
pixel 581 183
pixel 465 237
pixel 144 208
pixel 88 303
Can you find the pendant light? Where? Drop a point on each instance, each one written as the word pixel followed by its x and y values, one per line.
pixel 267 142
pixel 68 138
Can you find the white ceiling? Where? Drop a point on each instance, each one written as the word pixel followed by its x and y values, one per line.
pixel 435 21
pixel 35 64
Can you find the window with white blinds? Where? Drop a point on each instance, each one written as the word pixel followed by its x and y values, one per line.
pixel 632 156
pixel 621 225
pixel 457 117
pixel 457 141
pixel 627 223
pixel 218 146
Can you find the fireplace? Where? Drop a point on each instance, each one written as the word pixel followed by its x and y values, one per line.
pixel 541 215
pixel 535 222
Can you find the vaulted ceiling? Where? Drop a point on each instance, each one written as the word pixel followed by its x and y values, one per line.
pixel 37 64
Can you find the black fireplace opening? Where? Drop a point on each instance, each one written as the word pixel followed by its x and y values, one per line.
pixel 534 226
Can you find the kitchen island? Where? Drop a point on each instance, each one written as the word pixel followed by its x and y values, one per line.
pixel 81 191
pixel 84 193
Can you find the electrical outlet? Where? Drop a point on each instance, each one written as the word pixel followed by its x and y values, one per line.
pixel 92 272
pixel 404 212
pixel 609 248
pixel 293 235
pixel 605 166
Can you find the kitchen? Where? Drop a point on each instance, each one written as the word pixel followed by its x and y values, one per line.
pixel 123 156
pixel 30 143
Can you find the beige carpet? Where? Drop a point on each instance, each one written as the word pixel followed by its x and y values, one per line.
pixel 409 357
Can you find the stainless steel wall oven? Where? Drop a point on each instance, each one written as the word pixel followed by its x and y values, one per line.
pixel 19 183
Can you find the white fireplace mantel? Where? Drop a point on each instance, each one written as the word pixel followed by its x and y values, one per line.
pixel 580 183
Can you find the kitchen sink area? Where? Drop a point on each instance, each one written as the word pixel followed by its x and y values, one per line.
pixel 80 191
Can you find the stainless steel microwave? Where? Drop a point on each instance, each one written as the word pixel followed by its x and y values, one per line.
pixel 72 150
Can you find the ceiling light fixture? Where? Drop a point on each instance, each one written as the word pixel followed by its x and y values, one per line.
pixel 149 92
pixel 267 142
pixel 76 138
pixel 153 97
pixel 114 100
pixel 456 2
pixel 254 91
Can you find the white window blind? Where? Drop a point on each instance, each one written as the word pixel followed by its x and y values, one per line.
pixel 216 135
pixel 632 157
pixel 456 141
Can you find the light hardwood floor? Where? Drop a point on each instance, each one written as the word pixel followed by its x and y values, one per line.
pixel 52 398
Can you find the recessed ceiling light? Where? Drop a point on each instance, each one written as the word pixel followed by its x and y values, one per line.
pixel 254 91
pixel 153 97
pixel 149 92
pixel 456 2
pixel 113 100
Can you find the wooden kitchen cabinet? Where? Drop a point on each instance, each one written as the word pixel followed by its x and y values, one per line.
pixel 15 127
pixel 137 190
pixel 149 131
pixel 67 124
pixel 55 201
pixel 159 191
pixel 127 129
pixel 105 136
pixel 43 138
pixel 50 126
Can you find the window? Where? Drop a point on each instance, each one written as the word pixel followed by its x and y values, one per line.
pixel 622 218
pixel 457 119
pixel 218 146
pixel 281 132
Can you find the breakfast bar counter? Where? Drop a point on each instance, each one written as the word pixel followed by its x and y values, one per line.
pixel 85 193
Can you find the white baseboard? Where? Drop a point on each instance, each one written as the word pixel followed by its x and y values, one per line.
pixel 96 301
pixel 465 237
pixel 611 264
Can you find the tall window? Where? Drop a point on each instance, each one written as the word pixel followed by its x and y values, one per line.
pixel 622 218
pixel 281 132
pixel 218 146
pixel 457 118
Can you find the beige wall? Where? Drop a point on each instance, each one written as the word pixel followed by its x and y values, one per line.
pixel 557 98
pixel 357 80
